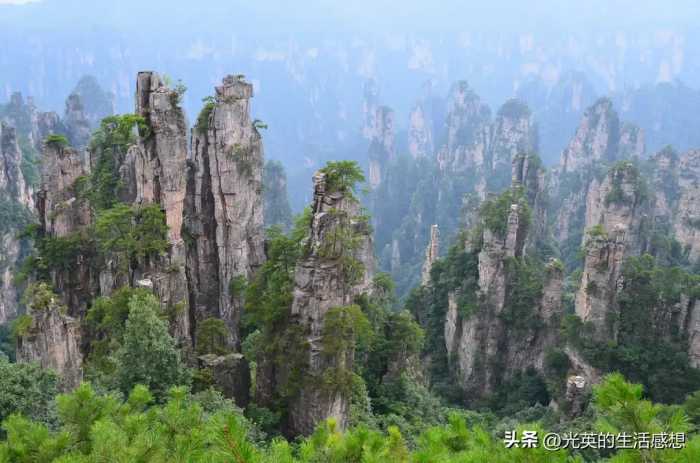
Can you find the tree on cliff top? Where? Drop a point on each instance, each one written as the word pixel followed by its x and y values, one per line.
pixel 343 176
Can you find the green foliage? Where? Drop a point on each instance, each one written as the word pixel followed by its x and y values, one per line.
pixel 212 337
pixel 21 325
pixel 105 323
pixel 109 144
pixel 56 140
pixel 344 328
pixel 26 389
pixel 53 253
pixel 644 350
pixel 178 92
pixel 525 389
pixel 39 297
pixel 148 354
pixel 621 408
pixel 457 273
pixel 237 286
pixel 258 124
pixel 384 286
pixel 202 124
pixel 494 213
pixel 204 428
pixel 340 242
pixel 343 176
pixel 523 293
pixel 625 171
pixel 131 233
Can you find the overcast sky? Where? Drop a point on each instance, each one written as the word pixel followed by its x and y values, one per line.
pixel 389 15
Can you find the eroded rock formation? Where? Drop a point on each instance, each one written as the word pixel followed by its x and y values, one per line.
pixel 224 207
pixel 16 202
pixel 431 254
pixel 53 341
pixel 322 282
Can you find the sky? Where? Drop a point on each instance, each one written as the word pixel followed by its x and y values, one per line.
pixel 367 14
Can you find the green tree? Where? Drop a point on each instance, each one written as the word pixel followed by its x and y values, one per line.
pixel 621 408
pixel 212 337
pixel 27 389
pixel 343 176
pixel 131 233
pixel 148 354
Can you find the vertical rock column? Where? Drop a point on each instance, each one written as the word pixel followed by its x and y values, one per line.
pixel 53 341
pixel 320 284
pixel 614 219
pixel 159 167
pixel 431 254
pixel 381 148
pixel 224 211
pixel 16 195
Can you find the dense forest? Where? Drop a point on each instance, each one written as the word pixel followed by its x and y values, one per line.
pixel 509 284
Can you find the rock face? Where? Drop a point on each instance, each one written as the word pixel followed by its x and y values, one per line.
pixel 224 206
pixel 97 103
pixel 53 341
pixel 615 214
pixel 467 131
pixel 431 254
pixel 599 142
pixel 16 201
pixel 321 283
pixel 76 122
pixel 381 148
pixel 370 106
pixel 231 374
pixel 687 222
pixel 158 164
pixel 483 149
pixel 420 132
pixel 487 345
pixel 528 174
pixel 513 134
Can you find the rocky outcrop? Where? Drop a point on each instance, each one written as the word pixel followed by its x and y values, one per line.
pixel 528 174
pixel 231 374
pixel 97 103
pixel 616 212
pixel 513 134
pixel 323 281
pixel 420 132
pixel 597 138
pixel 12 181
pixel 60 211
pixel 467 131
pixel 481 149
pixel 431 254
pixel 76 122
pixel 224 205
pixel 599 142
pixel 381 147
pixel 158 164
pixel 16 203
pixel 687 221
pixel 489 344
pixel 53 341
pixel 692 329
pixel 370 107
